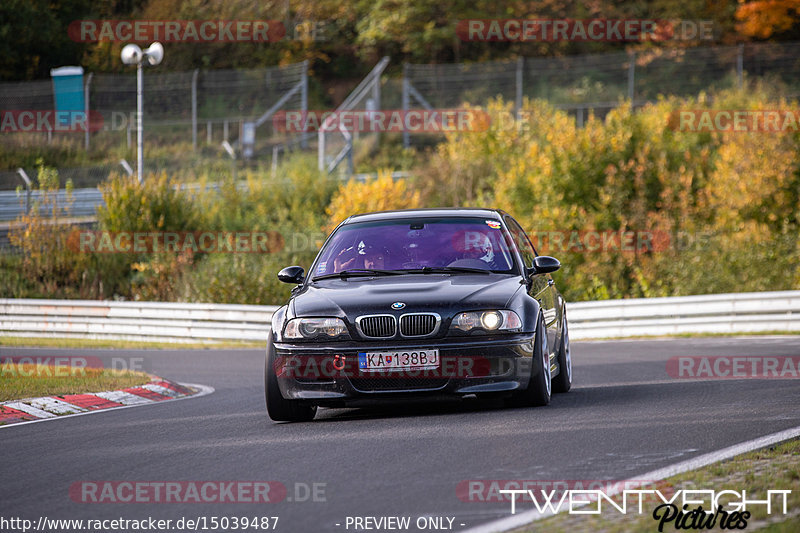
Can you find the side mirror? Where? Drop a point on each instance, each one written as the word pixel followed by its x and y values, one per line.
pixel 544 264
pixel 292 274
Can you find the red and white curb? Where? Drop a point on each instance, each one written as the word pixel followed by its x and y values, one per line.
pixel 32 410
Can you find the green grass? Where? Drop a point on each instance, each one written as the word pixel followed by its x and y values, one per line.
pixel 773 468
pixel 55 342
pixel 21 381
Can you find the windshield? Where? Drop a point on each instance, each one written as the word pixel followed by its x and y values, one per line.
pixel 416 243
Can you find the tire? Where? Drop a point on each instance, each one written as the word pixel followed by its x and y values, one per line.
pixel 279 408
pixel 539 387
pixel 563 381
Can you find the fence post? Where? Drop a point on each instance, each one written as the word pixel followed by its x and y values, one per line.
pixel 520 73
pixel 321 148
pixel 28 185
pixel 86 109
pixel 194 108
pixel 275 160
pixel 631 76
pixel 304 103
pixel 406 139
pixel 740 65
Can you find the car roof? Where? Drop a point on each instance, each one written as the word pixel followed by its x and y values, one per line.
pixel 455 212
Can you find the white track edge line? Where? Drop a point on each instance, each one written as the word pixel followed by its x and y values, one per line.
pixel 525 518
pixel 204 390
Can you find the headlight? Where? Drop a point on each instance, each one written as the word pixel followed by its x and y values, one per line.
pixel 495 320
pixel 312 328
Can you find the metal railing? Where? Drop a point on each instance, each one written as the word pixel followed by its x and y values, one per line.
pixel 190 322
pixel 713 313
pixel 366 96
pixel 151 321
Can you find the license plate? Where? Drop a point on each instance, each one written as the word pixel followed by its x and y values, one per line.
pixel 406 360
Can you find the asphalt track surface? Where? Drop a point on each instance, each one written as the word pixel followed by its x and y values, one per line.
pixel 625 416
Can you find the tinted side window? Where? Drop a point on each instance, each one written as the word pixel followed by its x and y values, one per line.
pixel 523 243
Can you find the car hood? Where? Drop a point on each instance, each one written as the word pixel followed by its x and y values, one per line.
pixel 441 293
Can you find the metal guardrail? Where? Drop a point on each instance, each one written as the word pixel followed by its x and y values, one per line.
pixel 153 321
pixel 714 313
pixel 186 322
pixel 84 202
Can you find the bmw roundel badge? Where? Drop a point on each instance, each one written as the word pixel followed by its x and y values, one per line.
pixel 398 305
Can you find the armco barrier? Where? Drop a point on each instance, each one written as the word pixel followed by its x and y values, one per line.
pixel 714 313
pixel 156 321
pixel 183 322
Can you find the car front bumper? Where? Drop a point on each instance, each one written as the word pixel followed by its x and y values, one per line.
pixel 329 373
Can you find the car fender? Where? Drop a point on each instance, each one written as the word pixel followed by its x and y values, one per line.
pixel 278 319
pixel 527 307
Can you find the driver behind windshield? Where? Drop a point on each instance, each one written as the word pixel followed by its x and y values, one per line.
pixel 368 256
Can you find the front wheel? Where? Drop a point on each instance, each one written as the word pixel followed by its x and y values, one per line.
pixel 563 381
pixel 279 408
pixel 539 387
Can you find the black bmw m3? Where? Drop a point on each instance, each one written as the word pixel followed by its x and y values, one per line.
pixel 419 303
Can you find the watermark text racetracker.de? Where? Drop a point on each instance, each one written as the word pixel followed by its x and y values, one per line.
pixel 204 491
pixel 584 30
pixel 497 490
pixel 49 120
pixel 67 366
pixel 195 523
pixel 132 242
pixel 735 120
pixel 387 120
pixel 196 31
pixel 199 241
pixel 734 367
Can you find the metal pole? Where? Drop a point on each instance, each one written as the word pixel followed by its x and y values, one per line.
pixel 28 185
pixel 194 109
pixel 520 72
pixel 376 99
pixel 350 167
pixel 86 109
pixel 631 76
pixel 304 103
pixel 404 104
pixel 740 65
pixel 139 121
pixel 321 147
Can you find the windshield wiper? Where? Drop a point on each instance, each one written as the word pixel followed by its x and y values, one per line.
pixel 446 270
pixel 358 272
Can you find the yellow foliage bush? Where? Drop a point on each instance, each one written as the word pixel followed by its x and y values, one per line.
pixel 380 194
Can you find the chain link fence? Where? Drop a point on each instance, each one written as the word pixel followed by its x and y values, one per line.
pixel 599 82
pixel 189 114
pixel 184 113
